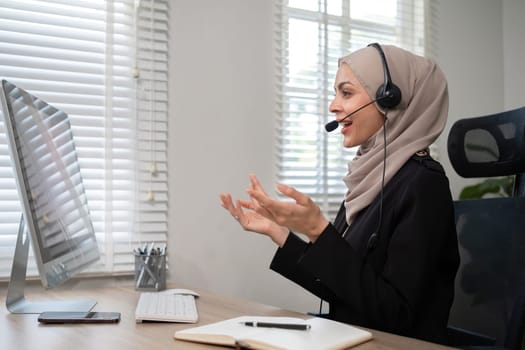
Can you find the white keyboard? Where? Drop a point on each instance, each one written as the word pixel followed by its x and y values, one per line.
pixel 166 307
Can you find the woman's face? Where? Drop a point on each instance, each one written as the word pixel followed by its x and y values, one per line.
pixel 349 96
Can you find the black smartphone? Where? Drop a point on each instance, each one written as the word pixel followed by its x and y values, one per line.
pixel 78 317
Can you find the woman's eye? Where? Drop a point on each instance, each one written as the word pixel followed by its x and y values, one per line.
pixel 346 93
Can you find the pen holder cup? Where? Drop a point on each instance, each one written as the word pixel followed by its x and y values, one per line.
pixel 150 272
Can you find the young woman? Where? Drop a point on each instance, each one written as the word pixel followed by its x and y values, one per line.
pixel 389 259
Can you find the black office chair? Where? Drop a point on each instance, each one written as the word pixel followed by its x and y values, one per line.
pixel 489 303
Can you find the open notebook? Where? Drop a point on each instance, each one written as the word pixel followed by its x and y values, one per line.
pixel 322 334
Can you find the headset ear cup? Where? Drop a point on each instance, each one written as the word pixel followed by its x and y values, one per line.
pixel 390 97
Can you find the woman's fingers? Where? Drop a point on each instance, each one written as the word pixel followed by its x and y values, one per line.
pixel 227 203
pixel 255 184
pixel 256 188
pixel 299 197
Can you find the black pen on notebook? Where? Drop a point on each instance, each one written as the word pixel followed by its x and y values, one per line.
pixel 296 326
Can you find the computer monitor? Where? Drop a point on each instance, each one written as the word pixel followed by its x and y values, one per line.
pixel 55 216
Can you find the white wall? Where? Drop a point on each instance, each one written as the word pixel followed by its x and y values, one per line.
pixel 480 48
pixel 470 52
pixel 221 129
pixel 514 53
pixel 221 126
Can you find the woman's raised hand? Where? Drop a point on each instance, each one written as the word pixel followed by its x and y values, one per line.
pixel 300 215
pixel 250 220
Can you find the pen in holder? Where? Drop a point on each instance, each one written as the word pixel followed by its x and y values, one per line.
pixel 150 269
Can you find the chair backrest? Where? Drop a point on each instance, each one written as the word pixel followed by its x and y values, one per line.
pixel 491 277
pixel 490 285
pixel 492 145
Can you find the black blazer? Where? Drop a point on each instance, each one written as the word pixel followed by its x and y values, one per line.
pixel 404 284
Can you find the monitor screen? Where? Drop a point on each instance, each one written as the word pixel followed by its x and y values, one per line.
pixel 54 203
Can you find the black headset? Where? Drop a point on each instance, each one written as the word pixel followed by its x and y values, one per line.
pixel 388 95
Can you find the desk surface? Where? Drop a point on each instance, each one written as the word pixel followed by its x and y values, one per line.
pixel 24 332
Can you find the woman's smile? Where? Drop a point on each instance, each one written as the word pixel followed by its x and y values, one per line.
pixel 347 127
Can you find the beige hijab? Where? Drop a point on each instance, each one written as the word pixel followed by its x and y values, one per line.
pixel 411 126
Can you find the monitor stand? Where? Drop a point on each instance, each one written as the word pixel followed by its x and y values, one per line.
pixel 16 302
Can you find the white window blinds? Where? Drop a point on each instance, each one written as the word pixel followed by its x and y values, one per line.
pixel 105 63
pixel 311 35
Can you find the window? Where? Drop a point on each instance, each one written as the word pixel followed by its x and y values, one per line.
pixel 312 35
pixel 105 64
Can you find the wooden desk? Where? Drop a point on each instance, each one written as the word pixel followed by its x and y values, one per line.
pixel 21 332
